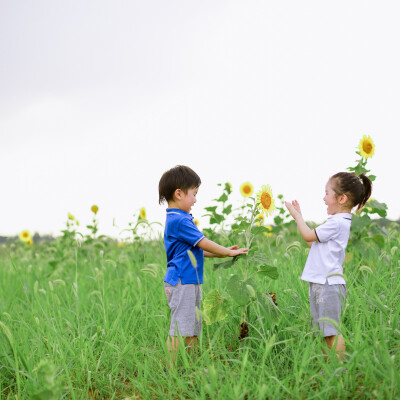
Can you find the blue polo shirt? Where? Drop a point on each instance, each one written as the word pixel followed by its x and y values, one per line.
pixel 181 234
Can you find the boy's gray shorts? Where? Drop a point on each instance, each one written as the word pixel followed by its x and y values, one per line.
pixel 326 301
pixel 184 302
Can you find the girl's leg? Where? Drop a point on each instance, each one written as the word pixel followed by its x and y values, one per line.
pixel 340 346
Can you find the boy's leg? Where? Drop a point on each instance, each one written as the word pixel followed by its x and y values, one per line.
pixel 172 346
pixel 339 347
pixel 191 343
pixel 184 300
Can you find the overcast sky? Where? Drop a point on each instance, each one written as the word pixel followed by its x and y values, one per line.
pixel 99 98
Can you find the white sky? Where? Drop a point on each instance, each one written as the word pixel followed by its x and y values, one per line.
pixel 99 98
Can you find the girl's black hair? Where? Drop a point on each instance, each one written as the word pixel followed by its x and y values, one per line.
pixel 357 188
pixel 179 177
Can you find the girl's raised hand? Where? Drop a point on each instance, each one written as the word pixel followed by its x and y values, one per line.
pixel 293 208
pixel 296 205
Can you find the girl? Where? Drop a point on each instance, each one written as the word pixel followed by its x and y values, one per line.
pixel 323 269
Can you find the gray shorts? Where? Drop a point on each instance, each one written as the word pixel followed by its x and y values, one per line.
pixel 184 302
pixel 326 301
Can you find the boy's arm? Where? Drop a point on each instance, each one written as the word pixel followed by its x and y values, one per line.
pixel 212 249
pixel 308 234
pixel 208 254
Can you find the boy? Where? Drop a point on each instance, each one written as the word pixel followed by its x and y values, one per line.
pixel 178 187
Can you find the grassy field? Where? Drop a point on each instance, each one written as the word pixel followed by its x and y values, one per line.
pixel 89 320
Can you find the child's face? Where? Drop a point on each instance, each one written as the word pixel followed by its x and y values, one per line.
pixel 188 199
pixel 331 200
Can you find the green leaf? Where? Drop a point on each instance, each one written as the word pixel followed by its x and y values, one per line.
pixel 359 169
pixel 215 307
pixel 242 226
pixel 256 230
pixel 372 177
pixel 375 207
pixel 211 209
pixel 226 264
pixel 238 290
pixel 359 223
pixel 278 220
pixel 227 210
pixel 223 198
pixel 216 219
pixel 269 270
pixel 227 188
pixel 258 258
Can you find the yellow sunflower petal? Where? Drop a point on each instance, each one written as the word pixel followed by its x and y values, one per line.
pixel 246 189
pixel 94 209
pixel 366 146
pixel 265 200
pixel 25 236
pixel 142 214
pixel 268 234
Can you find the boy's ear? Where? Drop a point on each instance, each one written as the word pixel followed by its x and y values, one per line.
pixel 178 194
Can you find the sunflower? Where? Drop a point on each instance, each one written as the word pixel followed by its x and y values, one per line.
pixel 268 234
pixel 366 146
pixel 246 189
pixel 260 218
pixel 25 236
pixel 196 221
pixel 142 213
pixel 71 217
pixel 94 208
pixel 369 201
pixel 265 200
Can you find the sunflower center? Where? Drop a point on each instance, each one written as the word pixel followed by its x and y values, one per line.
pixel 25 235
pixel 367 147
pixel 265 200
pixel 246 189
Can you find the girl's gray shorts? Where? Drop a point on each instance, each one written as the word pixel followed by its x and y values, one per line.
pixel 184 302
pixel 326 301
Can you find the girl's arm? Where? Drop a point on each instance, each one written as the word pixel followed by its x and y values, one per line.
pixel 308 234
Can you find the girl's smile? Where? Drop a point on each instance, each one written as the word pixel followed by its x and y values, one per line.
pixel 331 200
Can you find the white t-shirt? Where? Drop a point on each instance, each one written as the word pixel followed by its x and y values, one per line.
pixel 327 254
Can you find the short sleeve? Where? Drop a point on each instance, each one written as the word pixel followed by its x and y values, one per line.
pixel 327 231
pixel 189 233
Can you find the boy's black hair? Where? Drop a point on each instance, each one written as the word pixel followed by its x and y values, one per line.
pixel 179 177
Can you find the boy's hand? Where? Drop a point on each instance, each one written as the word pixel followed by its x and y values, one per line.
pixel 235 251
pixel 293 208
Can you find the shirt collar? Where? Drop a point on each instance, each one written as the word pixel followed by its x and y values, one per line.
pixel 177 211
pixel 341 215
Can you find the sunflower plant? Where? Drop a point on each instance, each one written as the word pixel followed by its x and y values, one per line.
pixel 367 235
pixel 243 285
pixel 93 227
pixel 71 228
pixel 219 213
pixel 141 229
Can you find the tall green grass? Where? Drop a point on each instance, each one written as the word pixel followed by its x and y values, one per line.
pixel 90 321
